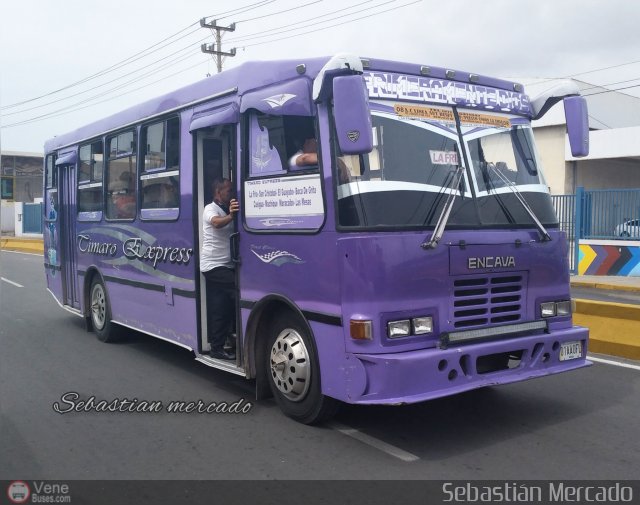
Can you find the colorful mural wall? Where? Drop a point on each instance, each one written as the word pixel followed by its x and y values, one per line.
pixel 607 257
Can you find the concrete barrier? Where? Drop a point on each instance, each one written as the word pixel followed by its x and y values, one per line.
pixel 614 328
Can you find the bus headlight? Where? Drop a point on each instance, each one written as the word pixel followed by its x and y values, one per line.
pixel 564 308
pixel 551 309
pixel 548 309
pixel 408 327
pixel 422 325
pixel 397 329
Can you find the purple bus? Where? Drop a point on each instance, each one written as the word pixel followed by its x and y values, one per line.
pixel 420 258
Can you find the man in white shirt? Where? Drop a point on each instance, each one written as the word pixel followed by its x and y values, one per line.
pixel 217 267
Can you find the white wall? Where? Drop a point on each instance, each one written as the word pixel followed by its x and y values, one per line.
pixel 7 216
pixel 550 144
pixel 608 174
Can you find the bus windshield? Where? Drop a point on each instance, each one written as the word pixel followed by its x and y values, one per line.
pixel 405 180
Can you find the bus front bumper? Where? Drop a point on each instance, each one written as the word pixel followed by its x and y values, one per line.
pixel 416 376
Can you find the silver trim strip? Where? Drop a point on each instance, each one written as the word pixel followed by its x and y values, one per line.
pixel 221 364
pixel 153 335
pixel 465 336
pixel 75 312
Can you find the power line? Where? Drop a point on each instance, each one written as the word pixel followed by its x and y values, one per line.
pixel 69 110
pixel 190 46
pixel 240 10
pixel 612 90
pixel 279 12
pixel 337 24
pixel 132 58
pixel 75 106
pixel 305 23
pixel 105 71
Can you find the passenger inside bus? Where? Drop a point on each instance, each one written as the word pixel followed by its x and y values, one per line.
pixel 123 198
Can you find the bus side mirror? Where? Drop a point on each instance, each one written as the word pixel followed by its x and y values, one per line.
pixel 352 115
pixel 575 111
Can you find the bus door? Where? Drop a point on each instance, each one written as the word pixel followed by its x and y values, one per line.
pixel 215 140
pixel 67 230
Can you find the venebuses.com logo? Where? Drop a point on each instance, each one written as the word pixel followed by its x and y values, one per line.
pixel 18 491
pixel 38 492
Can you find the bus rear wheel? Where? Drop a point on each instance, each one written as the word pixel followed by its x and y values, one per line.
pixel 101 312
pixel 294 373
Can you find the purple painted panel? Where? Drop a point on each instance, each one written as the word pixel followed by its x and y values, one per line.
pixel 353 118
pixel 226 114
pixel 575 110
pixel 288 98
pixel 68 158
pixel 411 377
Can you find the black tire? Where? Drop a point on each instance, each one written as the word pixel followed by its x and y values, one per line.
pixel 294 374
pixel 101 312
pixel 625 234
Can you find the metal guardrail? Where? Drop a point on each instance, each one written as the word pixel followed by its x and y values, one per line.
pixel 609 214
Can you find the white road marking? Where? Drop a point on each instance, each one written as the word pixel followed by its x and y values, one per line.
pixel 21 252
pixel 374 442
pixel 11 282
pixel 612 362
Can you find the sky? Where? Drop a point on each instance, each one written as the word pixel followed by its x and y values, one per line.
pixel 70 62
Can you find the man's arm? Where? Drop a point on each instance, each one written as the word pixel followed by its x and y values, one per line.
pixel 221 221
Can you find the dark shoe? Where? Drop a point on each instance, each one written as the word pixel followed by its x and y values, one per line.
pixel 223 355
pixel 230 343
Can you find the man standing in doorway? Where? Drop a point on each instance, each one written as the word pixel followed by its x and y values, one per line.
pixel 217 267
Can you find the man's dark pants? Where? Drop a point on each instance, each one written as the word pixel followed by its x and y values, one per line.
pixel 221 305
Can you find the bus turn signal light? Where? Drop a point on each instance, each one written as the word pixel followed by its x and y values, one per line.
pixel 361 330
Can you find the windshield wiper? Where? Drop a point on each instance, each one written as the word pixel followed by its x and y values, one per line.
pixel 544 235
pixel 446 210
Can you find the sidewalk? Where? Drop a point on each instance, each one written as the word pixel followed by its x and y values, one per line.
pixel 619 283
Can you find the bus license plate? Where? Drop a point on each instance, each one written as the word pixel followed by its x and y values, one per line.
pixel 570 350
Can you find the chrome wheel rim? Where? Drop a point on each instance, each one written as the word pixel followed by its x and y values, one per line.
pixel 290 365
pixel 98 306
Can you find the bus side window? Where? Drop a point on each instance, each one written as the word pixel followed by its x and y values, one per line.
pixel 121 176
pixel 90 177
pixel 159 177
pixel 275 140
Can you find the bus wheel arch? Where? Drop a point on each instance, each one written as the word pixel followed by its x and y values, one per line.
pixel 98 307
pixel 286 363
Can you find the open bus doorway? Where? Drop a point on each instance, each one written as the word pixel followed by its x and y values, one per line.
pixel 216 159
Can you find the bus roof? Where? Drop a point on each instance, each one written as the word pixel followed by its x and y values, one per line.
pixel 250 76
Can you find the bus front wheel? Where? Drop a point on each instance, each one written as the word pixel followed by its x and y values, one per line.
pixel 101 312
pixel 294 373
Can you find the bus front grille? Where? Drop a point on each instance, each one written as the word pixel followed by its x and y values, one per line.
pixel 487 300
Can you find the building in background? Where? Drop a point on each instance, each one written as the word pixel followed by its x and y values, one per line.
pixel 21 176
pixel 614 158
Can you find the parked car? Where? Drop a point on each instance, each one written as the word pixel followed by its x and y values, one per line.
pixel 630 228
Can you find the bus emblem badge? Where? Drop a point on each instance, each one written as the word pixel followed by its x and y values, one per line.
pixel 353 135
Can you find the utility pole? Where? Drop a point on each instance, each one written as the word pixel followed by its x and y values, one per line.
pixel 217 46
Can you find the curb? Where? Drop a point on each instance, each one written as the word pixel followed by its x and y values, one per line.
pixel 614 328
pixel 35 246
pixel 604 285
